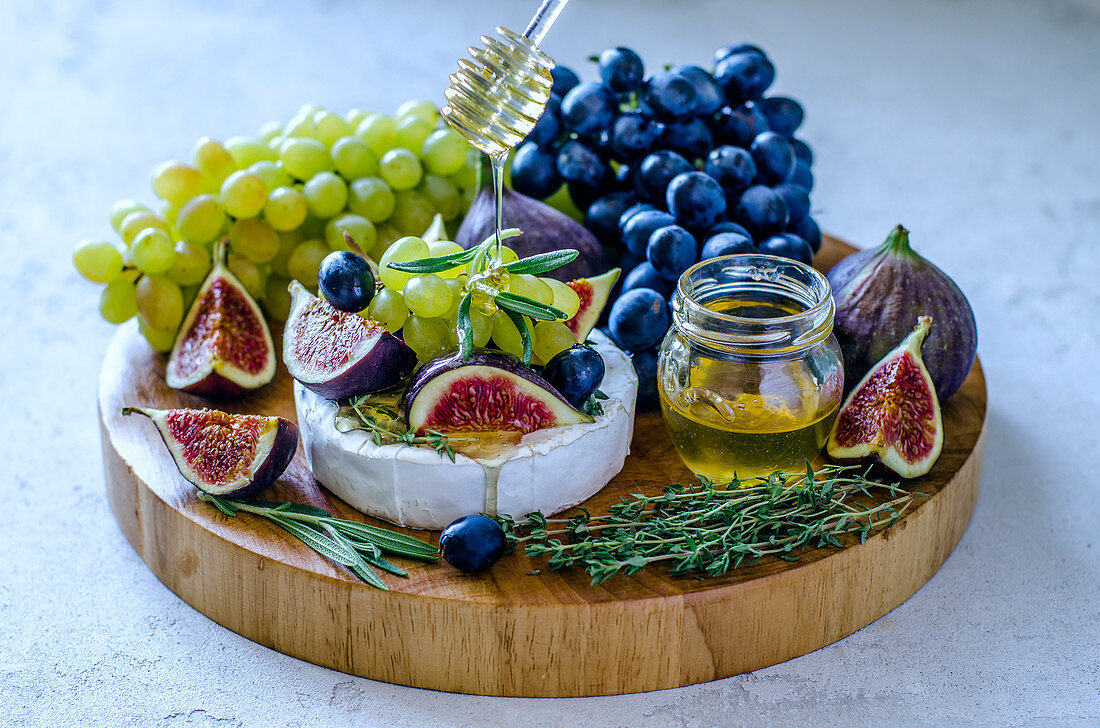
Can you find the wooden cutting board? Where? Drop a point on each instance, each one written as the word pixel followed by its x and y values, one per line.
pixel 510 631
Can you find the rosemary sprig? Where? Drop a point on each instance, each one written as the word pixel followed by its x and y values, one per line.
pixel 358 546
pixel 710 529
pixel 358 415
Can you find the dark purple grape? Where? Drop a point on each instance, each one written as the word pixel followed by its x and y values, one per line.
pixel 728 227
pixel 645 365
pixel 802 151
pixel 668 96
pixel 797 199
pixel 807 229
pixel 346 281
pixel 589 109
pixel 632 136
pixel 689 137
pixel 535 171
pixel 744 76
pixel 628 261
pixel 762 211
pixel 739 126
pixel 576 373
pixel 709 96
pixel 726 51
pixel 639 319
pixel 622 69
pixel 656 171
pixel 731 167
pixel 631 212
pixel 671 251
pixel 788 245
pixel 696 200
pixel 602 216
pixel 784 114
pixel 726 244
pixel 802 176
pixel 473 543
pixel 582 194
pixel 579 162
pixel 645 276
pixel 773 156
pixel 549 126
pixel 638 229
pixel 565 80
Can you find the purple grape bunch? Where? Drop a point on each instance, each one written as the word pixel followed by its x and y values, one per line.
pixel 680 166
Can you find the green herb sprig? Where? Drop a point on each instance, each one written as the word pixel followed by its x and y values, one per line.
pixel 359 414
pixel 356 545
pixel 484 279
pixel 709 529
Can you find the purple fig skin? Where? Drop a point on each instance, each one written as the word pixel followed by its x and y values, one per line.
pixel 544 230
pixel 386 363
pixel 493 359
pixel 880 291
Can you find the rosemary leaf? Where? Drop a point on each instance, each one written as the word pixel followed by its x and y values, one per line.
pixel 542 262
pixel 528 307
pixel 437 264
pixel 465 328
pixel 524 332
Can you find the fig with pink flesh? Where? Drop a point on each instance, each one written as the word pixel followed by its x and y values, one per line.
pixel 893 412
pixel 224 347
pixel 594 293
pixel 489 392
pixel 338 354
pixel 879 292
pixel 222 453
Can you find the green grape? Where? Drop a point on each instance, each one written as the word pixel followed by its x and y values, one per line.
pixel 190 264
pixel 400 169
pixel 465 178
pixel 506 335
pixel 246 151
pixel 328 127
pixel 213 160
pixel 379 132
pixel 269 131
pixel 372 198
pixel 420 109
pixel 277 298
pixel 388 308
pixel 326 194
pixel 288 241
pixel 159 303
pixel 412 212
pixel 152 251
pixel 303 158
pixel 427 337
pixel 272 173
pixel 446 247
pixel 361 230
pixel 312 227
pixel 201 219
pixel 411 132
pixel 387 236
pixel 427 295
pixel 243 194
pixel 525 284
pixel 300 126
pixel 444 196
pixel 254 239
pixel 405 249
pixel 551 337
pixel 121 209
pixel 304 261
pixel 168 212
pixel 99 262
pixel 482 326
pixel 285 208
pixel 161 341
pixel 251 276
pixel 565 298
pixel 353 158
pixel 139 220
pixel 176 182
pixel 355 117
pixel 444 152
pixel 468 197
pixel 118 301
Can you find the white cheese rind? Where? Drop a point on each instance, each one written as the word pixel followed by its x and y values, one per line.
pixel 549 470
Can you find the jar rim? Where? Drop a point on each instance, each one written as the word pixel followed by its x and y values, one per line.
pixel 783 278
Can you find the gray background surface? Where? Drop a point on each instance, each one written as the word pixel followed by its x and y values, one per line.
pixel 974 123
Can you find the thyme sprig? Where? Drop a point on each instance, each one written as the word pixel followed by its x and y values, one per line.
pixel 709 529
pixel 487 278
pixel 360 414
pixel 356 545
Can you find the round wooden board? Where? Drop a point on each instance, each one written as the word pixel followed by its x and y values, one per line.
pixel 509 631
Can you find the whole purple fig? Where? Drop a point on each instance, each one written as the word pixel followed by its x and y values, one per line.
pixel 880 292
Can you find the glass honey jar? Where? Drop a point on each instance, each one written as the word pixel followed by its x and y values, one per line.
pixel 750 376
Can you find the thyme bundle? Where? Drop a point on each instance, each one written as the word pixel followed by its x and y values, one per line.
pixel 709 529
pixel 386 426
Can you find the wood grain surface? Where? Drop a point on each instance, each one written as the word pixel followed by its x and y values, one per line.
pixel 508 631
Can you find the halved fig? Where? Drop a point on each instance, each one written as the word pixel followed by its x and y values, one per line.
pixel 489 392
pixel 594 293
pixel 224 347
pixel 222 453
pixel 338 354
pixel 893 412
